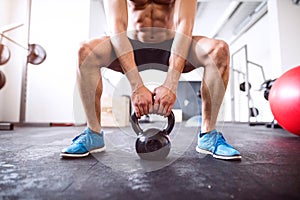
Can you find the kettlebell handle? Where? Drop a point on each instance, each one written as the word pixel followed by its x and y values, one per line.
pixel 138 130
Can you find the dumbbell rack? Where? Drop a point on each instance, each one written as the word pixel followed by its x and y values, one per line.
pixel 8 125
pixel 247 88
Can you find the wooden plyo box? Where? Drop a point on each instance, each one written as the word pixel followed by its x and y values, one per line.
pixel 115 111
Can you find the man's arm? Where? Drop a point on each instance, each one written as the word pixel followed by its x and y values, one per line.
pixel 184 17
pixel 117 20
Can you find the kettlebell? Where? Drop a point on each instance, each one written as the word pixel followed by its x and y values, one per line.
pixel 153 143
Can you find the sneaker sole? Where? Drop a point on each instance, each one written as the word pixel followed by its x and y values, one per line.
pixel 68 155
pixel 235 157
pixel 98 150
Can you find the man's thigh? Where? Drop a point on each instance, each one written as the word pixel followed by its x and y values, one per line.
pixel 198 52
pixel 105 53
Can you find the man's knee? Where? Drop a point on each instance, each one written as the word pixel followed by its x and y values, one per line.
pixel 83 52
pixel 95 52
pixel 220 49
pixel 220 53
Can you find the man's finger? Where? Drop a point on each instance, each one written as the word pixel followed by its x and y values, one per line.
pixel 165 111
pixel 151 107
pixel 137 112
pixel 155 108
pixel 160 109
pixel 156 105
pixel 169 111
pixel 145 109
pixel 141 111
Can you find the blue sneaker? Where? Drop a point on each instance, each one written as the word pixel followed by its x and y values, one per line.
pixel 84 144
pixel 215 144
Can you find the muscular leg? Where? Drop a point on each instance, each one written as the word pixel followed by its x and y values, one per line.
pixel 213 55
pixel 93 55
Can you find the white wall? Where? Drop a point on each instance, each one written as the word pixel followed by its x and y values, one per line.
pixel 285 30
pixel 13 11
pixel 59 26
pixel 98 24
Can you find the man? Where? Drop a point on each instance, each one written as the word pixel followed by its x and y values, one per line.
pixel 161 30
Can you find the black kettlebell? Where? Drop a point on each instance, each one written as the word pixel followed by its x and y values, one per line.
pixel 153 143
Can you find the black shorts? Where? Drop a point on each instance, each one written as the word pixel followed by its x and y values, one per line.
pixel 152 55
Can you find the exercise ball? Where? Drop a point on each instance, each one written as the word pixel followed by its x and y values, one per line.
pixel 284 100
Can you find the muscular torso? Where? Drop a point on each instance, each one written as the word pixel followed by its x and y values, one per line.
pixel 150 20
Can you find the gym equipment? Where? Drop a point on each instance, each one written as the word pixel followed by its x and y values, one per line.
pixel 243 86
pixel 266 94
pixel 36 53
pixel 4 50
pixel 296 2
pixel 2 80
pixel 253 112
pixel 266 86
pixel 4 54
pixel 284 100
pixel 153 143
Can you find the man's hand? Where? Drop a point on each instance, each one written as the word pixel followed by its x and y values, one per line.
pixel 164 101
pixel 142 100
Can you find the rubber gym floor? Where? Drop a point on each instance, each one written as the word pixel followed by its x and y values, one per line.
pixel 31 168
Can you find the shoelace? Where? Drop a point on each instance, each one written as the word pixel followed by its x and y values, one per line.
pixel 221 140
pixel 80 137
pixel 221 137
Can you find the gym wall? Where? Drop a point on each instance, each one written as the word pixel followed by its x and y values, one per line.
pixel 285 29
pixel 13 12
pixel 60 26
